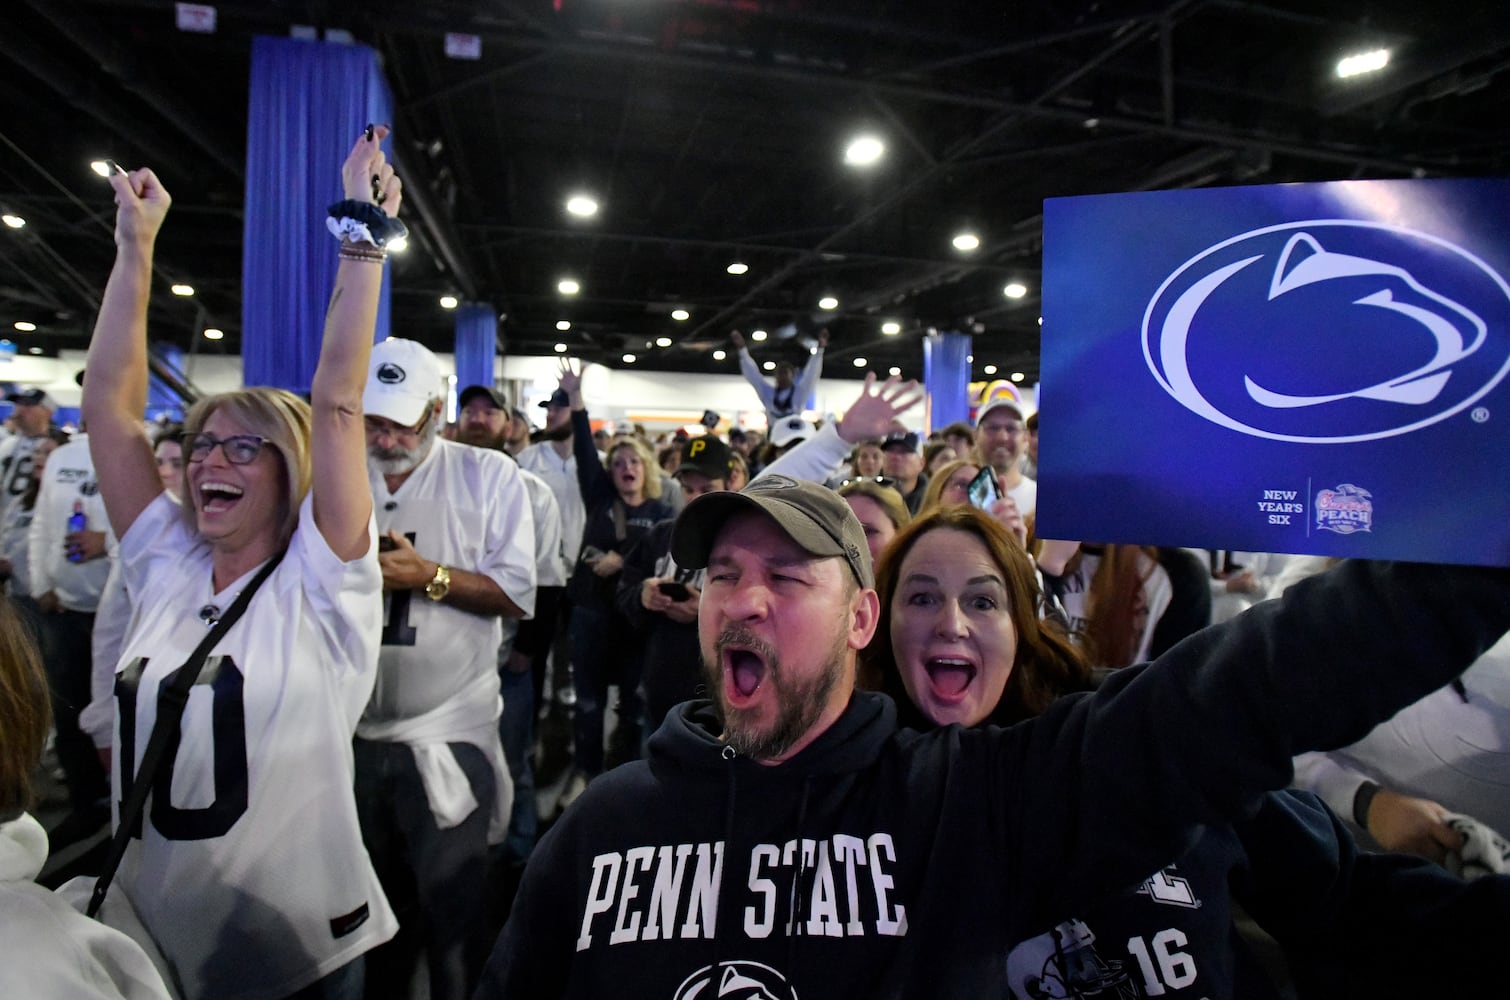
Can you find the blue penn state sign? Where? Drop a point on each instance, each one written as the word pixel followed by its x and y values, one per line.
pixel 1308 368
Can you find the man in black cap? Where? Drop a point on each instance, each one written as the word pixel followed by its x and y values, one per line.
pixel 902 460
pixel 788 839
pixel 660 598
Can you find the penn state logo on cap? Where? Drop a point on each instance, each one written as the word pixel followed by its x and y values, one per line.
pixel 390 374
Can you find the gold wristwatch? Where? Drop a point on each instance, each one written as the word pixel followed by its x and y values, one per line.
pixel 440 586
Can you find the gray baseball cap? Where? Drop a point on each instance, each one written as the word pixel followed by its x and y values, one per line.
pixel 812 515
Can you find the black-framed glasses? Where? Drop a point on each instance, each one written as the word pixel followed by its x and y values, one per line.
pixel 878 480
pixel 239 449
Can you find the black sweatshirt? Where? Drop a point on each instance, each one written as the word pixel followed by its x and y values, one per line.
pixel 887 863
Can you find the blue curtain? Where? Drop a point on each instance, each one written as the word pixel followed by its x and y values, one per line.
pixel 476 338
pixel 309 102
pixel 946 377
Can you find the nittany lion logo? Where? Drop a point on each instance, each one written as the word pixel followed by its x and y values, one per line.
pixel 735 981
pixel 1329 331
pixel 389 373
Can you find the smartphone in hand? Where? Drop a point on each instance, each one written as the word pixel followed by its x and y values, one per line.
pixel 984 490
pixel 672 589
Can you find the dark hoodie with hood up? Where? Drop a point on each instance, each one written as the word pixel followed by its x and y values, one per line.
pixel 878 863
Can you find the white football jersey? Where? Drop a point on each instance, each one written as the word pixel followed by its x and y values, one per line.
pixel 250 871
pixel 16 454
pixel 68 483
pixel 561 474
pixel 467 508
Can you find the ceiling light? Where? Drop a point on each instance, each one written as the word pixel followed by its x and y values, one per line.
pixel 398 244
pixel 769 366
pixel 101 167
pixel 663 342
pixel 680 315
pixel 966 241
pixel 891 329
pixel 1018 376
pixel 828 302
pixel 1015 290
pixel 989 369
pixel 860 362
pixel 629 359
pixel 758 335
pixel 970 359
pixel 24 326
pixel 184 290
pixel 568 287
pixel 34 350
pixel 563 325
pixel 864 150
pixel 560 348
pixel 719 355
pixel 448 302
pixel 1363 62
pixel 214 334
pixel 14 221
pixel 1040 321
pixel 738 268
pixel 582 206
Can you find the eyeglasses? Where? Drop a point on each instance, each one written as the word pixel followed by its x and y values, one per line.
pixel 878 480
pixel 377 425
pixel 239 449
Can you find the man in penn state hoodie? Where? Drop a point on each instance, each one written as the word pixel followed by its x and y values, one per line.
pixel 787 840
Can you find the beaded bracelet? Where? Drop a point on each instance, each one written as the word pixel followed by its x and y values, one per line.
pixel 355 251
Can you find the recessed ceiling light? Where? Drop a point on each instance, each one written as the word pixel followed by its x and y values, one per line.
pixel 894 370
pixel 184 290
pixel 1018 376
pixel 1015 290
pixel 720 354
pixel 213 334
pixel 663 342
pixel 860 362
pixel 738 268
pixel 966 241
pixel 101 167
pixel 680 315
pixel 989 369
pixel 448 302
pixel 629 359
pixel 24 326
pixel 563 325
pixel 864 150
pixel 891 328
pixel 560 348
pixel 34 350
pixel 1363 62
pixel 14 221
pixel 828 302
pixel 758 335
pixel 581 206
pixel 398 244
pixel 769 366
pixel 970 359
pixel 568 287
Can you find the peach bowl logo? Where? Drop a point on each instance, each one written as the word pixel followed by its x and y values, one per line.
pixel 1345 510
pixel 1329 331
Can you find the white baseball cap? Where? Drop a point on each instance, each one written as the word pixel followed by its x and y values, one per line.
pixel 402 379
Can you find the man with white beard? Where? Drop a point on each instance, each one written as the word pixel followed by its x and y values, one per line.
pixel 456 541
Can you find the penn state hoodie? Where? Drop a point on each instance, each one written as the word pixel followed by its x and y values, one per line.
pixel 881 862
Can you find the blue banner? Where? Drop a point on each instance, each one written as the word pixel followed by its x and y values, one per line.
pixel 1306 368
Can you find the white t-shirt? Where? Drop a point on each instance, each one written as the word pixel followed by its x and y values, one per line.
pixel 1025 495
pixel 464 507
pixel 561 474
pixel 251 874
pixel 68 482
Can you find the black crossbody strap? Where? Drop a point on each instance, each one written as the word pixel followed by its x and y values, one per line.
pixel 166 729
